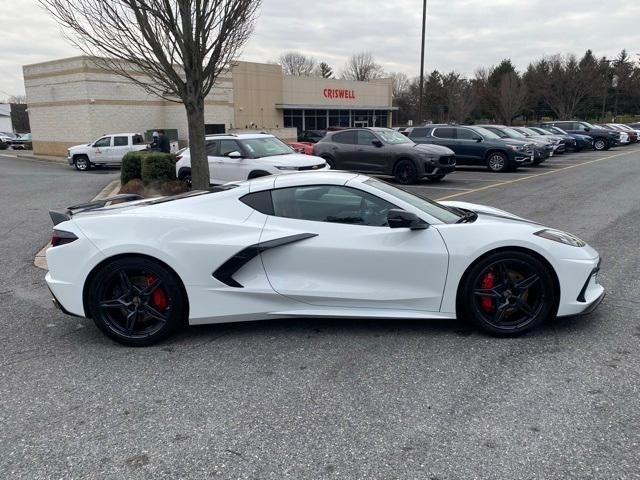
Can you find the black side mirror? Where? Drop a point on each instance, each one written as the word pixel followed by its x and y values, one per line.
pixel 397 218
pixel 478 139
pixel 587 129
pixel 376 143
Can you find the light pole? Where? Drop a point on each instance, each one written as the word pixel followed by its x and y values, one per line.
pixel 424 31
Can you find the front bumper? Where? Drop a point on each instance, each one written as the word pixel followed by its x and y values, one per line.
pixel 442 166
pixel 590 293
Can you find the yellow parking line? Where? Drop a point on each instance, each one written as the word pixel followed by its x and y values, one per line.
pixel 520 179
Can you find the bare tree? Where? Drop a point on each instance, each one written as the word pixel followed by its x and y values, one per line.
pixel 175 49
pixel 461 97
pixel 297 64
pixel 400 83
pixel 511 97
pixel 324 70
pixel 362 67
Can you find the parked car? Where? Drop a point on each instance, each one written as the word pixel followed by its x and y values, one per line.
pixel 476 146
pixel 603 139
pixel 559 146
pixel 567 140
pixel 635 126
pixel 625 138
pixel 385 152
pixel 106 150
pixel 302 147
pixel 311 136
pixel 324 244
pixel 543 148
pixel 582 141
pixel 633 134
pixel 235 157
pixel 22 142
pixel 7 137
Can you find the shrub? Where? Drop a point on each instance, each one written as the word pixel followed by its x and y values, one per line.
pixel 174 187
pixel 158 168
pixel 133 186
pixel 131 166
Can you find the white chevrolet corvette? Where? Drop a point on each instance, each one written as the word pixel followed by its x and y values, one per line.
pixel 317 244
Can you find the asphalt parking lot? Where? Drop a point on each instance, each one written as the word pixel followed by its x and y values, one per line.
pixel 309 399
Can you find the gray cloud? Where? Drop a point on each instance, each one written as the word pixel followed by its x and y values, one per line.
pixel 462 34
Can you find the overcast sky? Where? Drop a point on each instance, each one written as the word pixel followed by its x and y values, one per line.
pixel 461 34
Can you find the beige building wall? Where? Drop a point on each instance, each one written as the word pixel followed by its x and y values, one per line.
pixel 257 89
pixel 72 101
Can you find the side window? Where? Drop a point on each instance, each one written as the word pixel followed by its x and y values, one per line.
pixel 444 132
pixel 348 138
pixel 365 138
pixel 466 134
pixel 212 148
pixel 579 126
pixel 332 204
pixel 419 132
pixel 228 146
pixel 120 141
pixel 103 142
pixel 260 201
pixel 138 140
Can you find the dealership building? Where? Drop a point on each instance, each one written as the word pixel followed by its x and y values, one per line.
pixel 72 101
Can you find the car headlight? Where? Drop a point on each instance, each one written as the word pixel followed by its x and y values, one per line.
pixel 288 168
pixel 428 158
pixel 516 148
pixel 561 237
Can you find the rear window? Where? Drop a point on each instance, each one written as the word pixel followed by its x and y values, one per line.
pixel 120 141
pixel 444 132
pixel 348 138
pixel 419 132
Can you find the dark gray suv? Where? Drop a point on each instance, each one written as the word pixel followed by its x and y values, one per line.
pixel 385 152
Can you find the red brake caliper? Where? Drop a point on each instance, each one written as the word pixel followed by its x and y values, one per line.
pixel 488 282
pixel 158 296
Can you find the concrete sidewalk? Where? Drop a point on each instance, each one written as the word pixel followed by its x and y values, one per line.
pixel 113 188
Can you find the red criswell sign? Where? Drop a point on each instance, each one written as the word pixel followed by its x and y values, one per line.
pixel 339 93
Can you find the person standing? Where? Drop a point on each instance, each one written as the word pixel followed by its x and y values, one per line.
pixel 163 142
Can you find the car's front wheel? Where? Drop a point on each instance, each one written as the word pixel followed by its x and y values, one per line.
pixel 406 172
pixel 136 301
pixel 508 293
pixel 498 162
pixel 82 163
pixel 600 144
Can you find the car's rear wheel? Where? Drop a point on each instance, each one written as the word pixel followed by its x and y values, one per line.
pixel 136 301
pixel 508 293
pixel 497 162
pixel 82 163
pixel 435 178
pixel 331 162
pixel 600 144
pixel 185 176
pixel 406 172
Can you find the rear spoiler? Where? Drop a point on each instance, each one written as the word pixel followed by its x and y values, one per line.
pixel 59 216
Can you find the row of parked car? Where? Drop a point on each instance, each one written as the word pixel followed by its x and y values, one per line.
pixel 16 142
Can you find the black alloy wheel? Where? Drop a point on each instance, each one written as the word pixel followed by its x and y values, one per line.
pixel 186 178
pixel 497 162
pixel 330 162
pixel 405 172
pixel 136 301
pixel 508 293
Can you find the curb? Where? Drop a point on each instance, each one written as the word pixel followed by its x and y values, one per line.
pixel 111 189
pixel 57 161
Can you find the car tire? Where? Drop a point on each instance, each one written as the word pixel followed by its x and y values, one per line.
pixel 508 293
pixel 405 172
pixel 136 301
pixel 498 162
pixel 330 161
pixel 435 178
pixel 185 176
pixel 600 144
pixel 82 163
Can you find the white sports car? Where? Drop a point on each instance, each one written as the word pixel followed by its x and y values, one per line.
pixel 316 244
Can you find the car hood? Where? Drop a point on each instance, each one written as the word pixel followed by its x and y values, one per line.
pixel 485 210
pixel 294 160
pixel 84 145
pixel 433 149
pixel 515 141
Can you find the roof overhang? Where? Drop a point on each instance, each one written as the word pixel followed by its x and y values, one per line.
pixel 282 106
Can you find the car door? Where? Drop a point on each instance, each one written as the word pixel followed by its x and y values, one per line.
pixel 121 145
pixel 367 157
pixel 341 147
pixel 446 136
pixel 212 158
pixel 101 150
pixel 469 144
pixel 230 169
pixel 346 256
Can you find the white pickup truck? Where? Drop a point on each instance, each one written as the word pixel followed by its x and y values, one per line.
pixel 107 150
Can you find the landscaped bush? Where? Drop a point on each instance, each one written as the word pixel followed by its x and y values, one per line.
pixel 174 187
pixel 158 168
pixel 133 186
pixel 131 166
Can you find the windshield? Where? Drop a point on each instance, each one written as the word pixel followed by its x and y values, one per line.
pixel 392 137
pixel 485 133
pixel 528 131
pixel 513 133
pixel 588 125
pixel 558 130
pixel 266 147
pixel 442 213
pixel 540 131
